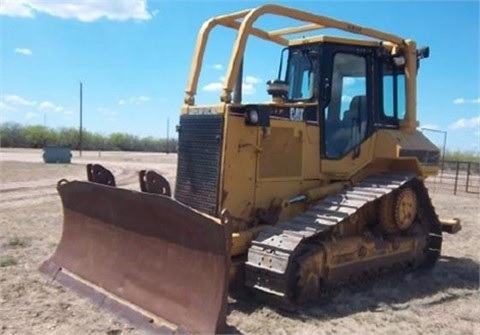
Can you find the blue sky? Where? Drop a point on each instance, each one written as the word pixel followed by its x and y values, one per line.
pixel 133 57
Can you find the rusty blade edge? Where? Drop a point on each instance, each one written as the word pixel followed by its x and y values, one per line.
pixel 133 314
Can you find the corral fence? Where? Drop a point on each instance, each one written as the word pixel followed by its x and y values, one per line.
pixel 457 177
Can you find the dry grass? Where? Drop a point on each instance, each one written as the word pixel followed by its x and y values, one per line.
pixel 7 261
pixel 444 300
pixel 17 242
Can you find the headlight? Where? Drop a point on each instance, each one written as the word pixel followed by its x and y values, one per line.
pixel 252 116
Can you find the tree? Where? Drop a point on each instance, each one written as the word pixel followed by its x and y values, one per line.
pixel 17 136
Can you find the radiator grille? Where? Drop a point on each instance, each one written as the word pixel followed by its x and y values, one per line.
pixel 199 159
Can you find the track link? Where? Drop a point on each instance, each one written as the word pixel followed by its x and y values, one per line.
pixel 274 250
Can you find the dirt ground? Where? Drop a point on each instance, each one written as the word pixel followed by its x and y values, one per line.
pixel 442 301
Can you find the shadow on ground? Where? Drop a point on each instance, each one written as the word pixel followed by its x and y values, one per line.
pixel 455 278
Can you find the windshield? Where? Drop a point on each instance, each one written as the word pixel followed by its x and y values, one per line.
pixel 302 73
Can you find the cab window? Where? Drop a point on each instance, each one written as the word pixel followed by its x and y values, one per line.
pixel 301 74
pixel 393 108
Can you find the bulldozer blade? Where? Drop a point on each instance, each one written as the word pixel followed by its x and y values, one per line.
pixel 164 263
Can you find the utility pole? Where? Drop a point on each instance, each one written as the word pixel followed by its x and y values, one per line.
pixel 81 121
pixel 168 126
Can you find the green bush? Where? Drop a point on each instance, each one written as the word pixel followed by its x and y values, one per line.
pixel 462 156
pixel 14 135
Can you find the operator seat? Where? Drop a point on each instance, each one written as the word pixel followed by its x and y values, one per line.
pixel 357 117
pixel 357 109
pixel 352 129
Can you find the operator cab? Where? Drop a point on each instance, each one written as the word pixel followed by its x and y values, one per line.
pixel 356 89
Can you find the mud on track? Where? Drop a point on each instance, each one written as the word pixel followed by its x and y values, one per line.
pixel 442 301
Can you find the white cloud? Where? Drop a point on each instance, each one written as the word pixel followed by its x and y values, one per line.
pixel 213 87
pixel 346 98
pixel 31 115
pixel 248 89
pixel 248 85
pixel 86 10
pixel 461 101
pixel 4 106
pixel 251 80
pixel 23 51
pixel 16 100
pixel 463 123
pixel 217 67
pixel 47 105
pixel 16 8
pixel 133 100
pixel 9 102
pixel 477 133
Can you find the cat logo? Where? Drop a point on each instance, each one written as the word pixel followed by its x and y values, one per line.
pixel 296 114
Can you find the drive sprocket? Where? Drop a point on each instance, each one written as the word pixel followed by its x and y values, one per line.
pixel 398 211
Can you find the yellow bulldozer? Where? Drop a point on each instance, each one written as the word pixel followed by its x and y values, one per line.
pixel 319 187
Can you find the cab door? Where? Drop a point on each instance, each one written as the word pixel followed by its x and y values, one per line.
pixel 346 110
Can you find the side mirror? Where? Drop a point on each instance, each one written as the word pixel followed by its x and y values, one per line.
pixel 423 52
